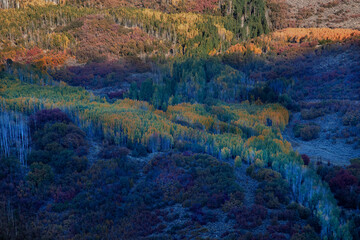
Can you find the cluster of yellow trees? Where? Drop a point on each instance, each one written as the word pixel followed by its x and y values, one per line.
pixel 6 4
pixel 137 122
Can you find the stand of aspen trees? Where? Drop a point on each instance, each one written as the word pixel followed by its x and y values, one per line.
pixel 14 135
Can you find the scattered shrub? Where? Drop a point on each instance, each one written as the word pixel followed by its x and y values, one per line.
pixel 238 161
pixel 42 117
pixel 249 217
pixel 331 4
pixel 303 212
pixel 139 151
pixel 113 151
pixel 307 132
pixel 351 118
pixel 309 114
pixel 306 159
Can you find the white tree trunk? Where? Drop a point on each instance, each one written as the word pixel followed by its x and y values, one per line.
pixel 14 135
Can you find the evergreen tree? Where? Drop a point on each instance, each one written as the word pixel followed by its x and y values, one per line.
pixel 146 90
pixel 133 91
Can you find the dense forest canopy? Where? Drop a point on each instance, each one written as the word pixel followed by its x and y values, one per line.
pixel 177 119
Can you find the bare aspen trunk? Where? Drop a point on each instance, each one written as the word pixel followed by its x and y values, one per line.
pixel 14 135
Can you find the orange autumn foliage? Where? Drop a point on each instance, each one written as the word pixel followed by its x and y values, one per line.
pixel 243 48
pixel 37 56
pixel 51 60
pixel 297 34
pixel 293 40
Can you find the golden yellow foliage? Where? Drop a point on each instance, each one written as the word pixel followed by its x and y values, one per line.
pixel 58 40
pixel 225 34
pixel 26 3
pixel 189 113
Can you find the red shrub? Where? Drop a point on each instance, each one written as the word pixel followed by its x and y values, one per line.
pixel 343 179
pixel 305 158
pixel 48 115
pixel 249 217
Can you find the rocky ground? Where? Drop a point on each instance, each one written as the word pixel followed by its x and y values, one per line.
pixel 326 13
pixel 324 149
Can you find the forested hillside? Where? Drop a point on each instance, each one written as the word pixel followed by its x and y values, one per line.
pixel 64 28
pixel 154 119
